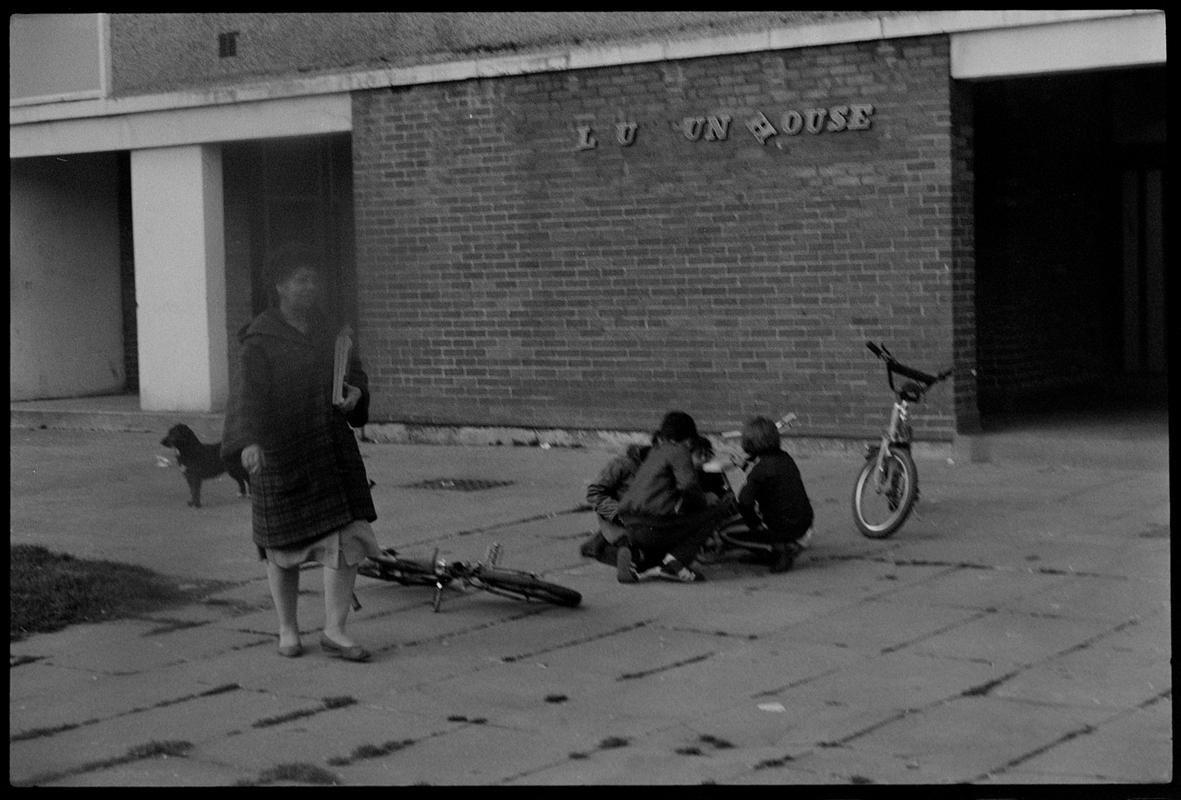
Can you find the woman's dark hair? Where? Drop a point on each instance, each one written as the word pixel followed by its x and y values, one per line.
pixel 759 436
pixel 285 260
pixel 677 426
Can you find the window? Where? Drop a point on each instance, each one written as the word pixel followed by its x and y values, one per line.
pixel 55 57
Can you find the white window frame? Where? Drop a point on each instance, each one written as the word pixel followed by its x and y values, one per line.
pixel 103 31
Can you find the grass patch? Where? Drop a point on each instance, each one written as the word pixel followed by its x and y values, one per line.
pixel 50 591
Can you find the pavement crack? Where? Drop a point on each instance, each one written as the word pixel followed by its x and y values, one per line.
pixel 627 676
pixel 469 629
pixel 328 704
pixel 36 733
pixel 722 634
pixel 522 521
pixel 1066 737
pixel 896 647
pixel 576 642
pixel 870 729
pixel 793 684
pixel 984 688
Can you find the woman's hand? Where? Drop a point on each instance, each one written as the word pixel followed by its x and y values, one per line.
pixel 352 396
pixel 253 459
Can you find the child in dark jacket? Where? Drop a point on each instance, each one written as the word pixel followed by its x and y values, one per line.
pixel 773 502
pixel 667 514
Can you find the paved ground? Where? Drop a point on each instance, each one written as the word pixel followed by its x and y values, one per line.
pixel 1016 633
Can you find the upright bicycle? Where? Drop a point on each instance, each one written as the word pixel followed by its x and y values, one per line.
pixel 887 487
pixel 484 575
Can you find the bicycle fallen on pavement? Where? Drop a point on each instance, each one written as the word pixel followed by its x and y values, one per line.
pixel 484 575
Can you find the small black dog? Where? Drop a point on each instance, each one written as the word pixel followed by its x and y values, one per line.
pixel 200 462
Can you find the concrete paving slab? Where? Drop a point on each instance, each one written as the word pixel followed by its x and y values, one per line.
pixel 1011 638
pixel 1111 599
pixel 1115 678
pixel 1151 635
pixel 872 628
pixel 976 588
pixel 1135 747
pixel 899 681
pixel 968 738
pixel 861 578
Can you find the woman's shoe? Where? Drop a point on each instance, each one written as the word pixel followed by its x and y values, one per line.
pixel 353 653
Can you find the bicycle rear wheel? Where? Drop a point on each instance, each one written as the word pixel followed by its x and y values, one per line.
pixel 880 508
pixel 526 586
pixel 406 571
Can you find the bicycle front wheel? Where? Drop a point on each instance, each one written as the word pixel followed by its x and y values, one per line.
pixel 526 586
pixel 883 501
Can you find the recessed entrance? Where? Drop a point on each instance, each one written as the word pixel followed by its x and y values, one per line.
pixel 1070 242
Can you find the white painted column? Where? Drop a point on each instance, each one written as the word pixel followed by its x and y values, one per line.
pixel 178 221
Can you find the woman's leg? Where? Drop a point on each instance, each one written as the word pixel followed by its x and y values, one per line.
pixel 284 585
pixel 338 600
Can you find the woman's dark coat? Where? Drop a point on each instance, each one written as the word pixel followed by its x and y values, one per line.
pixel 314 480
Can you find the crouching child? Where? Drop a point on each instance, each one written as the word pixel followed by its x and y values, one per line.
pixel 773 501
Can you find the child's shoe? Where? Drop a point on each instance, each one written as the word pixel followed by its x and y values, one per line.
pixel 783 557
pixel 674 570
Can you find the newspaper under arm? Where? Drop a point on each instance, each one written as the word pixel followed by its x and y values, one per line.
pixel 340 364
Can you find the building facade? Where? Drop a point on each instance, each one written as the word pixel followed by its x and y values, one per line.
pixel 581 220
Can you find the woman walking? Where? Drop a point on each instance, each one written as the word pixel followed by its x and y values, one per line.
pixel 309 489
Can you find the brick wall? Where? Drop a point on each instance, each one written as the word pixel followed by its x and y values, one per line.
pixel 967 412
pixel 507 277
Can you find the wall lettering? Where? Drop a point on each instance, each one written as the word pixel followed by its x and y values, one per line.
pixel 586 139
pixel 715 129
pixel 814 121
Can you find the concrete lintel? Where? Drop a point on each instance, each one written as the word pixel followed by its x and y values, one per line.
pixel 1075 45
pixel 292 116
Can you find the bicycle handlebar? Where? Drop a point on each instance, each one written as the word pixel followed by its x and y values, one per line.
pixel 897 367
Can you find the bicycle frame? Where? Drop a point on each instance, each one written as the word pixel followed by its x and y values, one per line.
pixel 898 432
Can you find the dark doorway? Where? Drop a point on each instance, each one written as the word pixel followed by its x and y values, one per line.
pixel 290 190
pixel 1070 244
